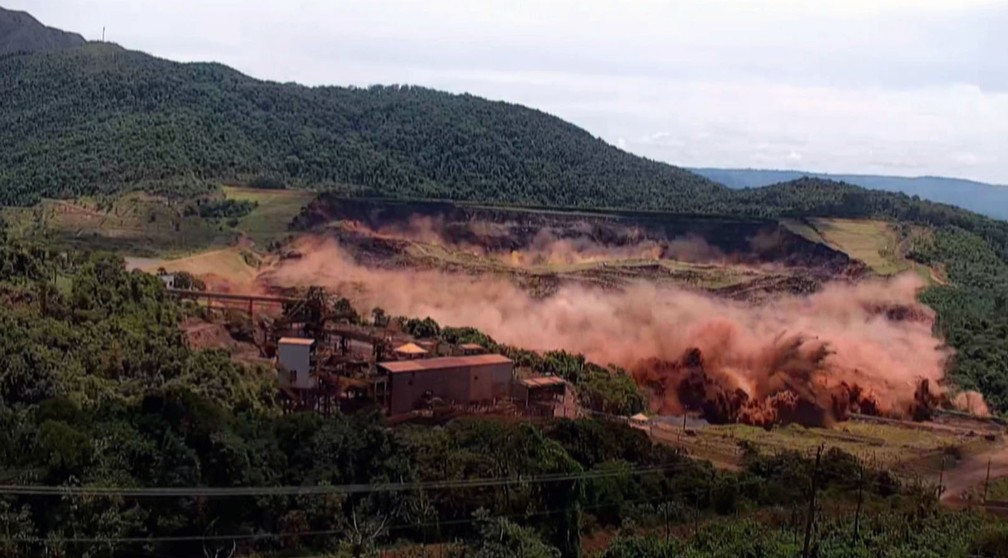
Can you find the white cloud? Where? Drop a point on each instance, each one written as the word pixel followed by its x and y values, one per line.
pixel 907 86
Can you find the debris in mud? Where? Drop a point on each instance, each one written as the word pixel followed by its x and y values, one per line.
pixel 797 387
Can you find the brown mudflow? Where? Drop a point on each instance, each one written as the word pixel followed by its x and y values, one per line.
pixel 810 357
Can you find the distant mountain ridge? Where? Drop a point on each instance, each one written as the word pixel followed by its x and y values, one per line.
pixel 20 32
pixel 983 198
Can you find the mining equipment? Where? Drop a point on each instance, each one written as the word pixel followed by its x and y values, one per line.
pixel 326 360
pixel 302 385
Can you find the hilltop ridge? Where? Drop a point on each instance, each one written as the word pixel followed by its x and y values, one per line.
pixel 20 32
pixel 981 197
pixel 122 119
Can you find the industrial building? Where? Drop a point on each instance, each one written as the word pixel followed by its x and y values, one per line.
pixel 460 380
pixel 296 361
pixel 545 396
pixel 470 349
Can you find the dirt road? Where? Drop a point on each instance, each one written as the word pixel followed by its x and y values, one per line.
pixel 971 472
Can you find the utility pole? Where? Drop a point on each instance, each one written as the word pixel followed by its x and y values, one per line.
pixel 987 481
pixel 103 34
pixel 941 477
pixel 696 514
pixel 860 503
pixel 810 520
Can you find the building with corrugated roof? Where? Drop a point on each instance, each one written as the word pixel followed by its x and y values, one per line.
pixel 460 380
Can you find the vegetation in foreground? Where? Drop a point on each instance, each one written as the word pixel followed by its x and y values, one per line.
pixel 97 389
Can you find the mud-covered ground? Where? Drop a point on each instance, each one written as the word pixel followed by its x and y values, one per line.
pixel 740 320
pixel 541 250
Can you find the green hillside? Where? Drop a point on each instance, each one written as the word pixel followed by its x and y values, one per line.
pixel 100 118
pixel 988 199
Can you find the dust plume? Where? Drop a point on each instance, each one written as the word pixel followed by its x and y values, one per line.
pixel 865 347
pixel 547 249
pixel 548 246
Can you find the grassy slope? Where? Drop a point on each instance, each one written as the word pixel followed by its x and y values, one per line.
pixel 872 241
pixel 235 265
pixel 275 210
pixel 145 225
pixel 134 223
pixel 907 451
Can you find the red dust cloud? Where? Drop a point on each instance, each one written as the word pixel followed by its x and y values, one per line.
pixel 546 247
pixel 867 347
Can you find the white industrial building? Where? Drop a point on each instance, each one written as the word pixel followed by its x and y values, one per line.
pixel 296 362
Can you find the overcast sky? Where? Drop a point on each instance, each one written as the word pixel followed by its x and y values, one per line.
pixel 908 87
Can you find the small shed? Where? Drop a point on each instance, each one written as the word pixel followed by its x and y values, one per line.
pixel 542 396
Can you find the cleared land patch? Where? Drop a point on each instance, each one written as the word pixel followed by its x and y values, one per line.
pixel 876 243
pixel 872 242
pixel 235 265
pixel 136 224
pixel 906 450
pixel 274 211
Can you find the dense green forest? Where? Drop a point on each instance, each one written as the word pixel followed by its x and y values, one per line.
pixel 987 199
pixel 101 118
pixel 98 389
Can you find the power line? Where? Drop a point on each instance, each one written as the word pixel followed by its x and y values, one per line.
pixel 197 491
pixel 325 532
pixel 348 489
pixel 694 491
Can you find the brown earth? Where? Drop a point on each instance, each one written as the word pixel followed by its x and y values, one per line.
pixel 743 259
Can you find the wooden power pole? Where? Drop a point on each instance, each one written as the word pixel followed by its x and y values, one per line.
pixel 860 503
pixel 987 481
pixel 810 520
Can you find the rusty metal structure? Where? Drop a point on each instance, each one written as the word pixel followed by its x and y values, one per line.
pixel 327 360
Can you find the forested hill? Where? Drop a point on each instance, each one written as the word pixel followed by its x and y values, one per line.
pixel 20 32
pixel 101 118
pixel 988 199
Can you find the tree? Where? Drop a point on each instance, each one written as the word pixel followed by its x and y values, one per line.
pixel 379 318
pixel 501 538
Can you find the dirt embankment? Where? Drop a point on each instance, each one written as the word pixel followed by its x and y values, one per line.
pixel 379 231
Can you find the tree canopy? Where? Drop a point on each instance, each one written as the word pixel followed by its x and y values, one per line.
pixel 122 119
